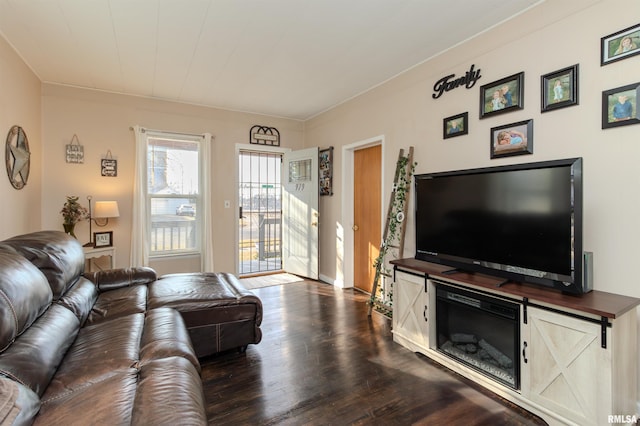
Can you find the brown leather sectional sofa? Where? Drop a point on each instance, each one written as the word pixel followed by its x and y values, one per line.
pixel 114 347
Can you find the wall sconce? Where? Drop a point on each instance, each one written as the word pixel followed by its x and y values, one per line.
pixel 103 211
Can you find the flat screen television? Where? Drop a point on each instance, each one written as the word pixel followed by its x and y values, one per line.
pixel 519 222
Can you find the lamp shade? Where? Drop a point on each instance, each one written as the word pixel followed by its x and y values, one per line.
pixel 106 209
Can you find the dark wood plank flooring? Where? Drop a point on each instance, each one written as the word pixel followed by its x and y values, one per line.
pixel 322 360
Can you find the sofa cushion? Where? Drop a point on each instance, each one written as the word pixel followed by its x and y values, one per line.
pixel 59 256
pixel 34 358
pixel 98 351
pixel 80 299
pixel 24 295
pixel 120 302
pixel 106 401
pixel 18 403
pixel 110 279
pixel 165 336
pixel 169 393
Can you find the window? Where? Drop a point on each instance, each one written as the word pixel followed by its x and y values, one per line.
pixel 173 195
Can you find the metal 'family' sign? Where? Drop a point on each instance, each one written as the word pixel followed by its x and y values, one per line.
pixel 450 82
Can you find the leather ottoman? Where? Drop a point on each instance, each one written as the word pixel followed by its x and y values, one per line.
pixel 220 314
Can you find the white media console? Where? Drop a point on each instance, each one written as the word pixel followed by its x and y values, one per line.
pixel 577 360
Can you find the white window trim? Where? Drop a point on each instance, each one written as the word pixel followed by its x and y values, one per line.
pixel 141 225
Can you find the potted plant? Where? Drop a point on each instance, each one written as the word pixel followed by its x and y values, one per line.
pixel 72 212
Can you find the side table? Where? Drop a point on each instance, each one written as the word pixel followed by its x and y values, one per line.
pixel 91 253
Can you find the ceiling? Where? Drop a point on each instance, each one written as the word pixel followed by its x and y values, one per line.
pixel 285 58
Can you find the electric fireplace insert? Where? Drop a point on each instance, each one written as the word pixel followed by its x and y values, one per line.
pixel 480 331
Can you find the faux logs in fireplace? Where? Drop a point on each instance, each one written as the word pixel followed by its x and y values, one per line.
pixel 480 331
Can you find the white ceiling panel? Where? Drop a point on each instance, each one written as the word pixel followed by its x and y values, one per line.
pixel 94 51
pixel 179 29
pixel 289 58
pixel 135 28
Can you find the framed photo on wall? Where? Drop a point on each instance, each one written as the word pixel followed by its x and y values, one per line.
pixel 620 45
pixel 620 106
pixel 325 175
pixel 512 139
pixel 456 125
pixel 559 89
pixel 502 95
pixel 103 239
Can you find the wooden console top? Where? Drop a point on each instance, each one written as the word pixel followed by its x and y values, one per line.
pixel 595 302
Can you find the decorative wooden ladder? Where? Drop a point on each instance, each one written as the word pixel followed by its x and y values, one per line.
pixel 392 237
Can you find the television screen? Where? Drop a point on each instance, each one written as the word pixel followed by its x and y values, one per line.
pixel 521 221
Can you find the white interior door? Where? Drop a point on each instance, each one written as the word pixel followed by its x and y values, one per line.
pixel 300 212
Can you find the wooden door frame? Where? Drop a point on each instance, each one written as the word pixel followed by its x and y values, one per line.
pixel 345 280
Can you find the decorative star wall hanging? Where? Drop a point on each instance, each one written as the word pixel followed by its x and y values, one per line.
pixel 17 157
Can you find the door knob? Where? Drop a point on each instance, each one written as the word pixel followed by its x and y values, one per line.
pixel 355 227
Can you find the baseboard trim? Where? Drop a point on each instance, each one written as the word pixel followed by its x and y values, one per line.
pixel 328 280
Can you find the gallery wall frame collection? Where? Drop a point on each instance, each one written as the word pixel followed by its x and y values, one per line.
pixel 558 89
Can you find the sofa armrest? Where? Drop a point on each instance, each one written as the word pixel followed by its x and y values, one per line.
pixel 111 279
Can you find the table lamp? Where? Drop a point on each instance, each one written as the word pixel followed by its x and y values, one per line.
pixel 103 211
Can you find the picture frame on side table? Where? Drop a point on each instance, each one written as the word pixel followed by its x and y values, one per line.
pixel 512 139
pixel 559 89
pixel 456 125
pixel 103 239
pixel 620 45
pixel 504 95
pixel 620 106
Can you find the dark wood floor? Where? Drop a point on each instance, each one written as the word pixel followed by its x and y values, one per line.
pixel 322 360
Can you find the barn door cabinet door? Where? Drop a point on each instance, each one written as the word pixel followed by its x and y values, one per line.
pixel 411 312
pixel 565 368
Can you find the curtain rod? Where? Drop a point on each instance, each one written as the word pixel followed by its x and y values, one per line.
pixel 144 129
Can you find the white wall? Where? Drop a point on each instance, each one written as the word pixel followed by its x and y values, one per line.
pixel 552 36
pixel 102 121
pixel 20 105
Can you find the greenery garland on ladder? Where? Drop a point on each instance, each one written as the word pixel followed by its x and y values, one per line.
pixel 396 217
